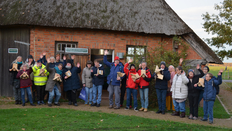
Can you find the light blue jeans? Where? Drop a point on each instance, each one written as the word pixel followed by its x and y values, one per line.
pixel 144 97
pixel 28 92
pixel 52 93
pixel 97 90
pixel 179 106
pixel 208 110
pixel 89 94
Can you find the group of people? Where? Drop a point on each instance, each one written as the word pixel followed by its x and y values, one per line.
pixel 173 88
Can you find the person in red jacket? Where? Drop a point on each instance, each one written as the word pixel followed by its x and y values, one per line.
pixel 144 86
pixel 25 82
pixel 131 85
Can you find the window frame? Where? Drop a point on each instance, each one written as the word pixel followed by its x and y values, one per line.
pixel 135 47
pixel 66 43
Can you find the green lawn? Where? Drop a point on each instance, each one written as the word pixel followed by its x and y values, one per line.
pixel 215 69
pixel 67 119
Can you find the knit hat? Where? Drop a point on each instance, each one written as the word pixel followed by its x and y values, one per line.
pixel 191 70
pixel 162 63
pixel 30 57
pixel 116 58
pixel 131 65
pixel 207 68
pixel 69 61
pixel 39 61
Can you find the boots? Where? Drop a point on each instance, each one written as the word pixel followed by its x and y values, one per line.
pixel 182 115
pixel 176 113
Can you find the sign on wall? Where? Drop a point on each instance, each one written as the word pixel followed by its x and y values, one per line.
pixel 12 50
pixel 76 50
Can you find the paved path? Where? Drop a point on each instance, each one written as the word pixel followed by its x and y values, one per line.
pixel 230 81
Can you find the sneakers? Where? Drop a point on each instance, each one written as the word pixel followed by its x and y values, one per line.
pixel 38 103
pixel 136 109
pixel 111 106
pixel 127 108
pixel 75 104
pixel 191 116
pixel 182 115
pixel 145 110
pixel 49 104
pixel 141 109
pixel 163 112
pixel 117 107
pixel 98 105
pixel 210 122
pixel 176 113
pixel 195 118
pixel 69 103
pixel 203 119
pixel 32 104
pixel 159 111
pixel 57 104
pixel 94 104
pixel 23 104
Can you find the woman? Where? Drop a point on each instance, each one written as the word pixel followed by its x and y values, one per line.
pixel 71 83
pixel 131 85
pixel 25 82
pixel 15 81
pixel 193 93
pixel 87 82
pixel 179 92
pixel 169 101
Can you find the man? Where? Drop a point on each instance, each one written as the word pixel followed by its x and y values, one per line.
pixel 53 86
pixel 98 82
pixel 144 86
pixel 161 87
pixel 40 80
pixel 113 80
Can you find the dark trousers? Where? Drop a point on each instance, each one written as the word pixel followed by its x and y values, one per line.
pixel 40 93
pixel 33 91
pixel 193 103
pixel 72 96
pixel 123 91
pixel 161 96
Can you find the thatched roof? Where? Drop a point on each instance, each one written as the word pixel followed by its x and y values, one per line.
pixel 144 16
pixel 148 16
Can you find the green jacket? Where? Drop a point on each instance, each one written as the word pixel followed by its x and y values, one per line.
pixel 40 80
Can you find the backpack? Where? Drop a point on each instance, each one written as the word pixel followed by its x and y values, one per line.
pixel 217 88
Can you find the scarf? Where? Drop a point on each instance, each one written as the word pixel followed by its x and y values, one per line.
pixel 132 70
pixel 20 62
pixel 58 71
pixel 68 67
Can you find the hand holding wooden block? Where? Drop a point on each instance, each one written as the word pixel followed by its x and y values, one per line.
pixel 201 82
pixel 135 77
pixel 57 78
pixel 68 73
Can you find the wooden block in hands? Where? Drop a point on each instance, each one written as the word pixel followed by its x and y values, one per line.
pixel 57 78
pixel 120 74
pixel 201 82
pixel 68 74
pixel 159 76
pixel 135 76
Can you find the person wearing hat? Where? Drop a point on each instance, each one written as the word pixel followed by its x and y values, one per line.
pixel 71 83
pixel 98 82
pixel 40 80
pixel 161 87
pixel 113 80
pixel 144 86
pixel 16 81
pixel 131 85
pixel 193 93
pixel 87 82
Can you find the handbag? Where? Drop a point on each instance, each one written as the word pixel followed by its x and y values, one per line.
pixel 82 94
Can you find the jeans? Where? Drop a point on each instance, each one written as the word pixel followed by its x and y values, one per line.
pixel 97 90
pixel 128 97
pixel 208 110
pixel 114 90
pixel 200 96
pixel 144 97
pixel 179 106
pixel 28 92
pixel 88 95
pixel 161 96
pixel 52 93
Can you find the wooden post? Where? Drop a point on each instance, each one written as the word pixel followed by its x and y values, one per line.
pixel 228 74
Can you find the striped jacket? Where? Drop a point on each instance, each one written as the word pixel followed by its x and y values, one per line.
pixel 40 80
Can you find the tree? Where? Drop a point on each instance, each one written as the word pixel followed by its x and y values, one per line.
pixel 220 27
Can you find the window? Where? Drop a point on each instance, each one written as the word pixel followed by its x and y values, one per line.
pixel 136 52
pixel 60 47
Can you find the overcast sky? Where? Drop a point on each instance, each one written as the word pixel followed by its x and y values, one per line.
pixel 191 12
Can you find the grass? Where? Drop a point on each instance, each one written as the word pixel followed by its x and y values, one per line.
pixel 67 119
pixel 215 69
pixel 228 86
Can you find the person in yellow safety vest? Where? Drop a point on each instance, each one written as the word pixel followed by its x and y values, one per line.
pixel 40 80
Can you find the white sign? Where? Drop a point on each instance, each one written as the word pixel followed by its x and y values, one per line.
pixel 76 50
pixel 13 50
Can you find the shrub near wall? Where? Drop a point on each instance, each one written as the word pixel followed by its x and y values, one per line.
pixel 154 56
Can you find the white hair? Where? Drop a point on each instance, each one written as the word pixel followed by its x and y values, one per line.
pixel 144 62
pixel 172 66
pixel 24 65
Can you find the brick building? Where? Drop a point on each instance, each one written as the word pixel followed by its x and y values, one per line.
pixel 116 25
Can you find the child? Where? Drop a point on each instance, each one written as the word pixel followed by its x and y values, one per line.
pixel 25 82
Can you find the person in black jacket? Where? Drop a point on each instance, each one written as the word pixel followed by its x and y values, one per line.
pixel 15 81
pixel 98 82
pixel 193 93
pixel 161 87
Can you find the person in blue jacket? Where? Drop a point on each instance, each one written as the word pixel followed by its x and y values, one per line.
pixel 113 80
pixel 209 94
pixel 72 83
pixel 161 87
pixel 98 82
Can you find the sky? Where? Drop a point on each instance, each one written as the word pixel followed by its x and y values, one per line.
pixel 191 12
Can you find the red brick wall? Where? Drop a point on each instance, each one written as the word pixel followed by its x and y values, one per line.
pixel 43 39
